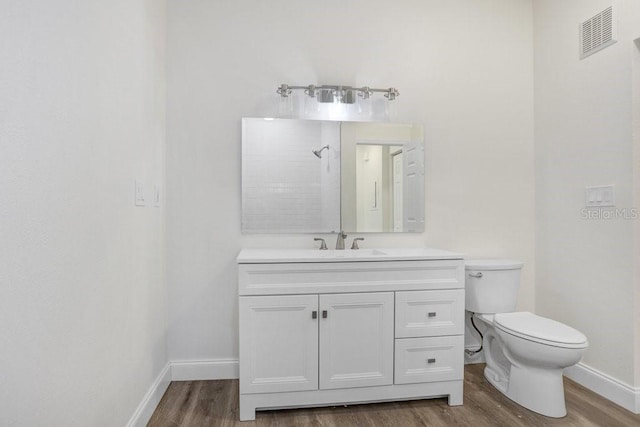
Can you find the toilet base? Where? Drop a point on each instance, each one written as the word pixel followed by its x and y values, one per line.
pixel 497 379
pixel 540 391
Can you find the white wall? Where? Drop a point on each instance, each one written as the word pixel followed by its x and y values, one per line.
pixel 584 268
pixel 464 71
pixel 632 14
pixel 636 181
pixel 82 282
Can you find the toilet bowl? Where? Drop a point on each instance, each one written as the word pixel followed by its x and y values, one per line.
pixel 525 354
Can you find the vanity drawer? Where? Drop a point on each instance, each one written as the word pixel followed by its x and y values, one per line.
pixel 348 277
pixel 429 313
pixel 420 360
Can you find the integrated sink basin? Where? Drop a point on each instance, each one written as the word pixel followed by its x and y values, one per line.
pixel 253 256
pixel 359 253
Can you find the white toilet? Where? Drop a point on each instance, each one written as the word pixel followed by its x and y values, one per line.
pixel 525 353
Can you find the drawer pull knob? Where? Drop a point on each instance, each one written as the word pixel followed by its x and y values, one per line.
pixel 314 314
pixel 432 314
pixel 431 360
pixel 324 314
pixel 477 275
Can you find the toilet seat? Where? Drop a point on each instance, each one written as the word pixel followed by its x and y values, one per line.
pixel 539 329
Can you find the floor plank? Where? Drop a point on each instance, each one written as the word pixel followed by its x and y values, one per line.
pixel 215 403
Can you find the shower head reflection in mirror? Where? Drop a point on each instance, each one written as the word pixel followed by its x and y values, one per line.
pixel 318 153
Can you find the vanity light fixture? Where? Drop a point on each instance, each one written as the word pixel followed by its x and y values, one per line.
pixel 337 94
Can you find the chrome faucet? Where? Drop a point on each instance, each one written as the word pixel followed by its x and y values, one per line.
pixel 340 242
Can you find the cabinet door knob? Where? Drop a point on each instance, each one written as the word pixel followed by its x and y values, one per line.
pixel 432 314
pixel 314 314
pixel 324 314
pixel 431 360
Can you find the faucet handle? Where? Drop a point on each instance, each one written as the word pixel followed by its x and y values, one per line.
pixel 323 245
pixel 354 245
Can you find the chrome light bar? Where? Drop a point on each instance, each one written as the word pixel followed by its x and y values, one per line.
pixel 338 94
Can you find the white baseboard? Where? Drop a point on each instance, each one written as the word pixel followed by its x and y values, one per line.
pixel 144 411
pixel 218 369
pixel 185 370
pixel 608 387
pixel 209 369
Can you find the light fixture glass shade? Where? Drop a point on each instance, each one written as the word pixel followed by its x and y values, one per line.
pixel 325 95
pixel 333 102
pixel 349 96
pixel 285 106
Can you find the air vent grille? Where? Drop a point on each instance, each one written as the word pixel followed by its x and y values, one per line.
pixel 597 33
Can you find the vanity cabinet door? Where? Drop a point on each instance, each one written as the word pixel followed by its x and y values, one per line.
pixel 356 340
pixel 278 343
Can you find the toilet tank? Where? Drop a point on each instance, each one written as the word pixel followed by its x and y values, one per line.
pixel 491 285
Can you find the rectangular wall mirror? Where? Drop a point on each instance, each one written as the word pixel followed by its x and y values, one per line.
pixel 314 176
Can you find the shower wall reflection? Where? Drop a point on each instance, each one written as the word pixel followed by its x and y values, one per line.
pixel 286 187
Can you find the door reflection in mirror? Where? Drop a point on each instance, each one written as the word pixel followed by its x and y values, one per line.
pixel 382 179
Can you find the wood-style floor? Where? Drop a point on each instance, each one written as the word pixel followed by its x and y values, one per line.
pixel 215 403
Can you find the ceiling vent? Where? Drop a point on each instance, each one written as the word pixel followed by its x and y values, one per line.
pixel 597 33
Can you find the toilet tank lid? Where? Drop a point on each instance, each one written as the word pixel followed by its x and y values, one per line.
pixel 492 264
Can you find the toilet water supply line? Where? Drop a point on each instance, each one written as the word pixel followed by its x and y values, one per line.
pixel 472 352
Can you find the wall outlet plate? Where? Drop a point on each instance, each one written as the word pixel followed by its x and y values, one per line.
pixel 600 196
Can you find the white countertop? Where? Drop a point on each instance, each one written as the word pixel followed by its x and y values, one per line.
pixel 255 256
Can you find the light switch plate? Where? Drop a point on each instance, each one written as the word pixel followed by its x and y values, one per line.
pixel 600 196
pixel 139 193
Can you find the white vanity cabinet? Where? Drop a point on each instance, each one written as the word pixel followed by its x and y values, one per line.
pixel 306 342
pixel 335 330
